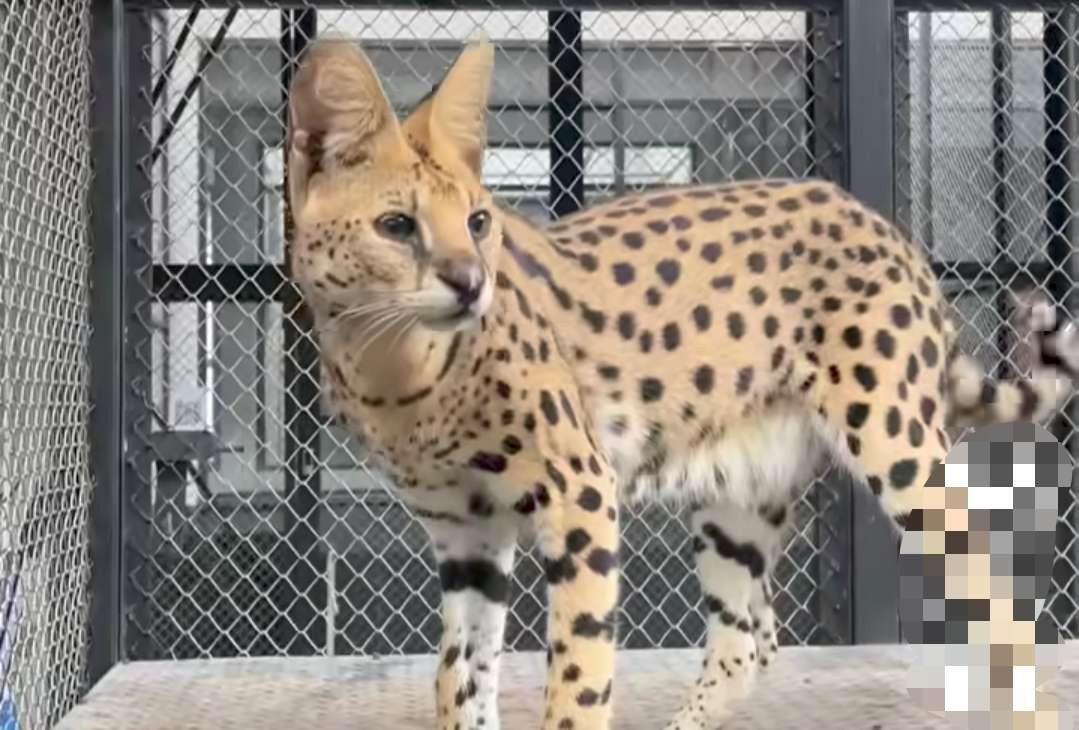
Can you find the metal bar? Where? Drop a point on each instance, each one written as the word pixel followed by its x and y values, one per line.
pixel 106 340
pixel 925 94
pixel 193 84
pixel 1059 87
pixel 133 136
pixel 1003 103
pixel 1059 217
pixel 904 127
pixel 532 5
pixel 868 47
pixel 181 40
pixel 255 283
pixel 978 5
pixel 565 84
pixel 304 592
pixel 900 5
pixel 221 283
pixel 824 95
pixel 832 497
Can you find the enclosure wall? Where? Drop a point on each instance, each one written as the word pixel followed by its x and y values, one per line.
pixel 44 329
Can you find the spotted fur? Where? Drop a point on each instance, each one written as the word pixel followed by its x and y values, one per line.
pixel 711 345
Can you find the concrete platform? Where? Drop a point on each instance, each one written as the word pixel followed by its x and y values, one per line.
pixel 844 687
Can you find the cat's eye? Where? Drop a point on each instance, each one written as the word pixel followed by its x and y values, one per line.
pixel 396 225
pixel 479 223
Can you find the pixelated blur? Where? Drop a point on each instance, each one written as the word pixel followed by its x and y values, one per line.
pixel 975 567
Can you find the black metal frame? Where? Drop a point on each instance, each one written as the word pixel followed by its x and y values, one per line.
pixel 868 45
pixel 861 599
pixel 303 596
pixel 107 314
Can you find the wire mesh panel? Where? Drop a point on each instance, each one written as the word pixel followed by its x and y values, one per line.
pixel 986 131
pixel 256 526
pixel 44 260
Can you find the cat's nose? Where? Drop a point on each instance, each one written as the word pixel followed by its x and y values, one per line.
pixel 463 275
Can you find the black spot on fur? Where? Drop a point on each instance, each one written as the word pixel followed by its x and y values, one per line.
pixel 865 377
pixel 928 407
pixel 602 561
pixel 567 408
pixel 479 575
pixel 745 554
pixel 556 476
pixel 744 380
pixel 488 461
pixel 590 499
pixel 852 337
pixel 704 379
pixel 596 319
pixel 893 422
pixel 902 473
pixel 577 540
pixel 736 325
pixel 559 570
pixel 930 353
pixel 672 336
pixel 712 215
pixel 901 316
pixel 651 389
pixel 915 433
pixel 711 252
pixel 702 317
pixel 623 273
pixel 608 372
pixel 668 271
pixel 547 406
pixel 645 341
pixel 885 343
pixel 857 413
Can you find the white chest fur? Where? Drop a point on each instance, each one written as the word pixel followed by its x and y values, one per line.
pixel 757 461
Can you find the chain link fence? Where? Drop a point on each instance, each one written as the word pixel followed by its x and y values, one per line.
pixel 986 130
pixel 44 330
pixel 258 527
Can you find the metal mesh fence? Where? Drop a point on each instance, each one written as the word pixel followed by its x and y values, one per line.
pixel 255 524
pixel 986 129
pixel 44 259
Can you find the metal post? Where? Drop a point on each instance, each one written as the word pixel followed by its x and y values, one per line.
pixel 868 47
pixel 138 569
pixel 1059 217
pixel 1003 95
pixel 1058 56
pixel 824 95
pixel 832 498
pixel 904 126
pixel 303 594
pixel 925 95
pixel 565 56
pixel 106 340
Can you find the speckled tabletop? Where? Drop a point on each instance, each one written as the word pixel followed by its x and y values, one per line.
pixel 846 687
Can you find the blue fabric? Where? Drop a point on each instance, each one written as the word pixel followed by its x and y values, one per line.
pixel 8 721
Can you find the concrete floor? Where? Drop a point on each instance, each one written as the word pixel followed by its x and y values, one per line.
pixel 844 687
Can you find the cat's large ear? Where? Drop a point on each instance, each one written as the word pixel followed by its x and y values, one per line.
pixel 453 119
pixel 338 112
